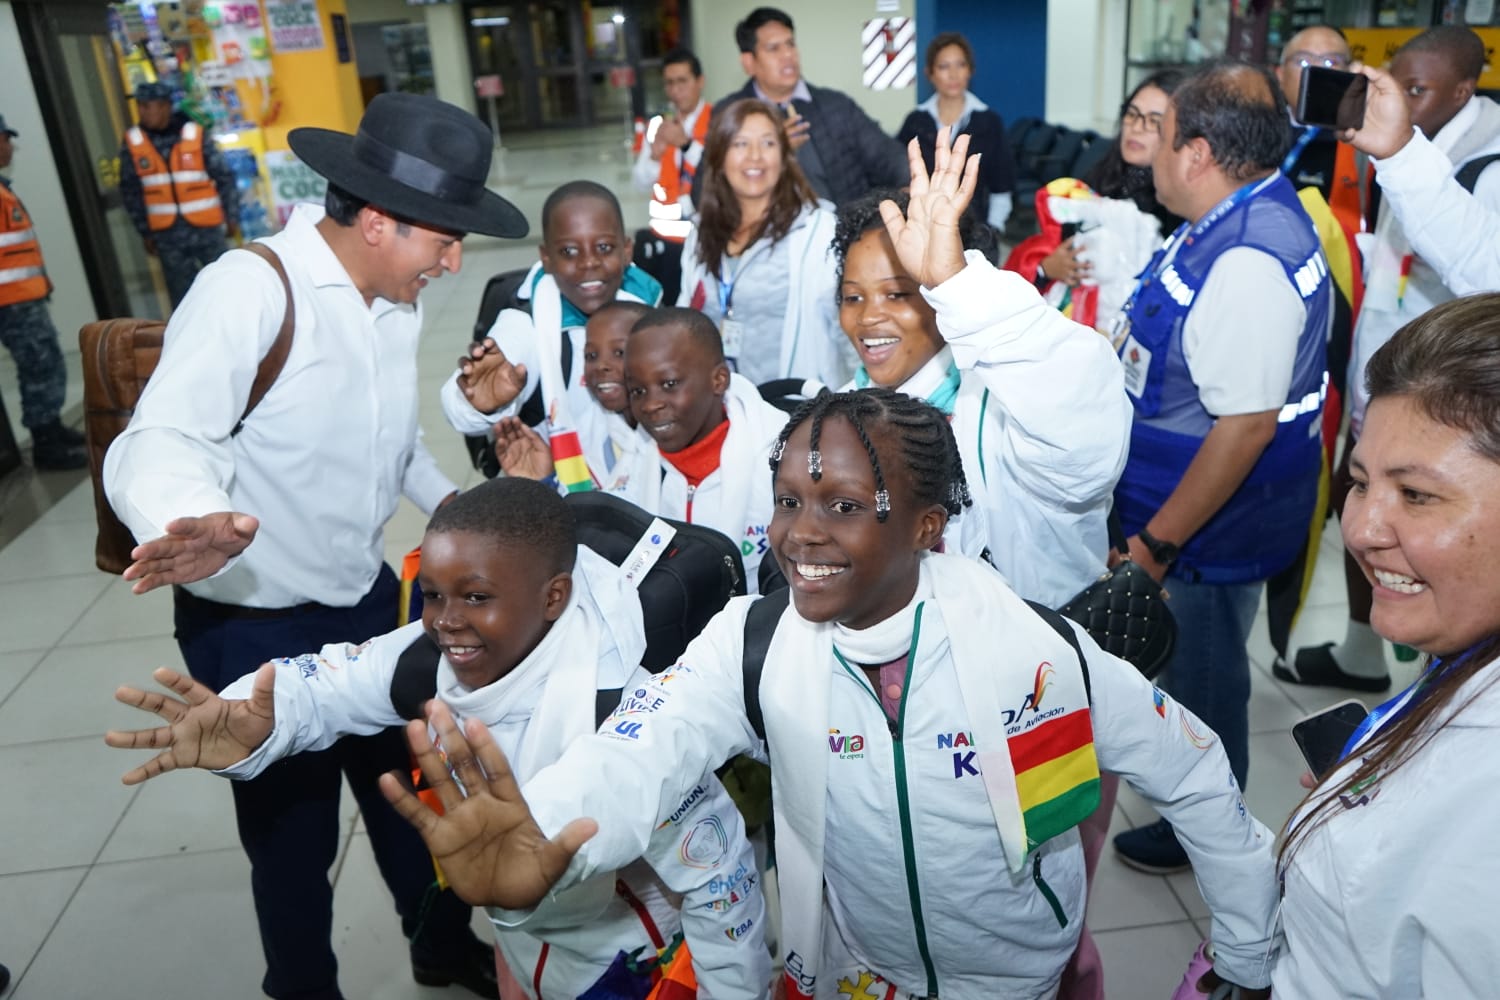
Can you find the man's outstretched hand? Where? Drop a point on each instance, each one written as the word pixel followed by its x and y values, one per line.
pixel 488 845
pixel 926 239
pixel 202 730
pixel 194 548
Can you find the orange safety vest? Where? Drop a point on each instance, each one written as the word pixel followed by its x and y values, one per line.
pixel 23 276
pixel 183 189
pixel 674 180
pixel 1345 194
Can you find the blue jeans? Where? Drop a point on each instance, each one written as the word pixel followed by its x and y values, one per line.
pixel 1209 673
pixel 288 817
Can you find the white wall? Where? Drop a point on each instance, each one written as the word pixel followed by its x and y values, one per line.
pixel 34 174
pixel 450 54
pixel 828 38
pixel 1085 62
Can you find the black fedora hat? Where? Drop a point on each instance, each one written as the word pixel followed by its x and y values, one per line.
pixel 418 158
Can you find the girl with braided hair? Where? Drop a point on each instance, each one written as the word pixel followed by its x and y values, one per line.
pixel 1037 402
pixel 934 740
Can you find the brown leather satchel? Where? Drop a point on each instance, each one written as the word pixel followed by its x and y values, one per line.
pixel 119 355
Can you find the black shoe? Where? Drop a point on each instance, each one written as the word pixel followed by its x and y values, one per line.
pixel 1152 849
pixel 1314 666
pixel 53 447
pixel 473 969
pixel 4 978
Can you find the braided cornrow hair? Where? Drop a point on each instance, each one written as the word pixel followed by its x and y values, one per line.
pixel 927 443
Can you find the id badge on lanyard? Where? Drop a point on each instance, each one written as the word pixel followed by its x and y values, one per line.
pixel 731 330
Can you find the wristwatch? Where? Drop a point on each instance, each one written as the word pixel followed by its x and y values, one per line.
pixel 1165 553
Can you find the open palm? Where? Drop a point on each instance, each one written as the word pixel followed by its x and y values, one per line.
pixel 203 730
pixel 927 239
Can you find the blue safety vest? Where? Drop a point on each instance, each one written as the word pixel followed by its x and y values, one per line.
pixel 1260 530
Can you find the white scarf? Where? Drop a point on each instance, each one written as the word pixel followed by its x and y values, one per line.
pixel 982 616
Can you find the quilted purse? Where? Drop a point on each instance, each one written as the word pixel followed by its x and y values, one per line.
pixel 1125 611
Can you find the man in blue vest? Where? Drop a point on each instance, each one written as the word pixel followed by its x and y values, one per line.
pixel 1223 347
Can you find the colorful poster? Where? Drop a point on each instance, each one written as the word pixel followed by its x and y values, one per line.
pixel 292 181
pixel 296 25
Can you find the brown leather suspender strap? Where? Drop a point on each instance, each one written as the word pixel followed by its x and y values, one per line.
pixel 275 359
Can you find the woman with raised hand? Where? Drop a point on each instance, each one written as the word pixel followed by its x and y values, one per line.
pixel 1389 868
pixel 757 262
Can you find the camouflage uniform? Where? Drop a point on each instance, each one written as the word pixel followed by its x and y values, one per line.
pixel 184 249
pixel 27 332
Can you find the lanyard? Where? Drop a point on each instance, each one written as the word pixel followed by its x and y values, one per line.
pixel 1308 135
pixel 1184 236
pixel 726 285
pixel 1395 708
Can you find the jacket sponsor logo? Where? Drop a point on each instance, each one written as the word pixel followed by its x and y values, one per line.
pixel 755 540
pixel 845 747
pixel 739 931
pixel 723 885
pixel 705 845
pixel 1032 703
pixel 869 987
pixel 629 730
pixel 687 803
pixel 638 701
pixel 1044 675
pixel 947 741
pixel 736 896
pixel 1159 699
pixel 306 664
pixel 1196 738
pixel 798 983
pixel 963 763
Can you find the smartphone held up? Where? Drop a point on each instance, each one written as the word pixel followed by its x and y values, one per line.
pixel 1332 98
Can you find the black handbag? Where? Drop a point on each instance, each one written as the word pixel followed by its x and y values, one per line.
pixel 1125 611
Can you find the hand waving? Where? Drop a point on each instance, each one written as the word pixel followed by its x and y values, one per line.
pixel 203 730
pixel 521 450
pixel 194 548
pixel 927 241
pixel 490 848
pixel 487 379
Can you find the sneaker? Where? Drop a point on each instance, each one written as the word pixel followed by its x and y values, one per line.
pixel 1314 666
pixel 1152 849
pixel 53 449
pixel 473 969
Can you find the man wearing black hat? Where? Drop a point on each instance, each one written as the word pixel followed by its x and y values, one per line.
pixel 271 531
pixel 177 189
pixel 27 332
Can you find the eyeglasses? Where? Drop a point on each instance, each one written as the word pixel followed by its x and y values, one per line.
pixel 1328 60
pixel 1133 117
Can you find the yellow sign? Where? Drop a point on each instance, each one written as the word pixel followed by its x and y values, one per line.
pixel 1376 46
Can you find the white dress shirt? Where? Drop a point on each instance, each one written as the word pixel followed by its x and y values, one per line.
pixel 325 457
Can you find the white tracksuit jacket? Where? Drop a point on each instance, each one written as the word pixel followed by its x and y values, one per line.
pixel 990 933
pixel 697 860
pixel 1395 895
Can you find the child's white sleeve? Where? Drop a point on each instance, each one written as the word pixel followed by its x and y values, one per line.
pixel 1176 762
pixel 1063 390
pixel 516 338
pixel 699 850
pixel 343 689
pixel 650 754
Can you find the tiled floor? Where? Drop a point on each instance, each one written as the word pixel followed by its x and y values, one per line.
pixel 123 893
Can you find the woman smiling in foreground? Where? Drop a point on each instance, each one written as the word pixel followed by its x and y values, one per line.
pixel 1389 868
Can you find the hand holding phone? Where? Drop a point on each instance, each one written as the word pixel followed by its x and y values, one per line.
pixel 1323 735
pixel 1332 98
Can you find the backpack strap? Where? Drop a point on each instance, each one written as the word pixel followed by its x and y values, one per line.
pixel 1468 174
pixel 275 359
pixel 533 412
pixel 760 626
pixel 606 700
pixel 1064 628
pixel 414 682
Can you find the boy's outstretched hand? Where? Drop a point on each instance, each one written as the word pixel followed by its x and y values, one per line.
pixel 487 378
pixel 521 451
pixel 490 848
pixel 203 730
pixel 927 240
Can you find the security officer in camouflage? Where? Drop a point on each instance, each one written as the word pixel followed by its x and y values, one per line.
pixel 27 332
pixel 178 190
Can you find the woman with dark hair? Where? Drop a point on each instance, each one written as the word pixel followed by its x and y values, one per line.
pixel 757 262
pixel 950 66
pixel 1388 867
pixel 1123 226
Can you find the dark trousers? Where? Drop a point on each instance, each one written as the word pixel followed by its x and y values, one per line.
pixel 185 250
pixel 288 817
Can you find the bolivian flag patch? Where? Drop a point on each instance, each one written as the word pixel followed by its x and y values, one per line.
pixel 1057 774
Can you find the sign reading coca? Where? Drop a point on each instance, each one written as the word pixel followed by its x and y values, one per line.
pixel 296 25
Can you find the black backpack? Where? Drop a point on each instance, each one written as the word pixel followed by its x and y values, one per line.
pixel 691 581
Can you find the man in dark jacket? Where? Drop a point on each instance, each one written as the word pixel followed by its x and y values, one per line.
pixel 842 150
